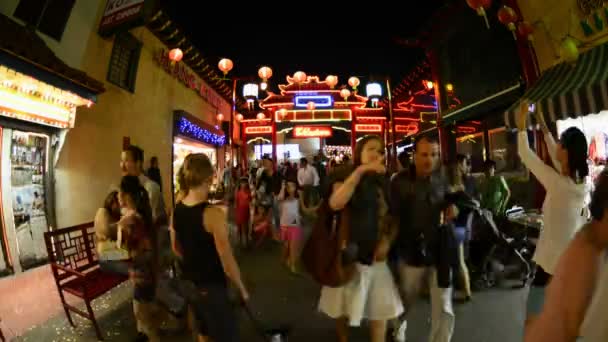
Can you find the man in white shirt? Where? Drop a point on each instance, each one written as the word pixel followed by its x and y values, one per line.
pixel 307 175
pixel 131 164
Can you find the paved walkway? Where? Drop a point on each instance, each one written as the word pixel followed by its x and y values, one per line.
pixel 281 298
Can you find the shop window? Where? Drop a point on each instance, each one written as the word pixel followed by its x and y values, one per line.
pixel 124 60
pixel 472 146
pixel 47 16
pixel 503 150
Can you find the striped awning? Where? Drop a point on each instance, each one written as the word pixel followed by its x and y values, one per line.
pixel 570 90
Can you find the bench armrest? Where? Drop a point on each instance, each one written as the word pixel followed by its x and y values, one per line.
pixel 68 270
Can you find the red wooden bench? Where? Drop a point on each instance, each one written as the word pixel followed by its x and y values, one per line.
pixel 75 267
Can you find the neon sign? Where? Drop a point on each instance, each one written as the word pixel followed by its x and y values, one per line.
pixel 320 101
pixel 368 128
pixel 409 129
pixel 258 130
pixel 312 132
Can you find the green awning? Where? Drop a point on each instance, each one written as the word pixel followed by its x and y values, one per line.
pixel 570 90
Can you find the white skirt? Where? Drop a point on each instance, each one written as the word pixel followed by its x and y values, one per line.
pixel 371 294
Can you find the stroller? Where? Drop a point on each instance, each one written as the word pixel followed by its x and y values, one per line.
pixel 492 252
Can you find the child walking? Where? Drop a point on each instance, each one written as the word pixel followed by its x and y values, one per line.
pixel 290 219
pixel 242 207
pixel 261 223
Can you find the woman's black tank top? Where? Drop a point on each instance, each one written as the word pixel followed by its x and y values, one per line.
pixel 201 263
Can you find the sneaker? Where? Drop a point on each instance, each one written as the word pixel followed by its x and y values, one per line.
pixel 399 333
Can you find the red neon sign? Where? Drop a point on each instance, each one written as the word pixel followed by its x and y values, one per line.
pixel 258 130
pixel 410 129
pixel 312 132
pixel 368 128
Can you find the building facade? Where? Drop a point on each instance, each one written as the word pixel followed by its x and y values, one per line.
pixel 148 101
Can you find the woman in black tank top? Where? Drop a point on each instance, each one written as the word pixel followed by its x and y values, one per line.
pixel 199 237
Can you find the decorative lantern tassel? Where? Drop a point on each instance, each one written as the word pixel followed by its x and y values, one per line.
pixel 482 13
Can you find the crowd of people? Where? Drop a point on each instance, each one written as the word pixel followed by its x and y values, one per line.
pixel 405 232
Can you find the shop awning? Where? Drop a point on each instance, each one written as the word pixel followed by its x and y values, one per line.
pixel 570 90
pixel 491 103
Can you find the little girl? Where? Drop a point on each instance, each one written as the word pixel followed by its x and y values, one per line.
pixel 291 231
pixel 242 202
pixel 261 224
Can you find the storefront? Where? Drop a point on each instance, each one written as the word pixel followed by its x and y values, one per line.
pixel 39 96
pixel 191 135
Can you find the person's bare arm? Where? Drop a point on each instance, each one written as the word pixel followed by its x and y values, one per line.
pixel 570 291
pixel 177 250
pixel 103 228
pixel 342 192
pixel 215 220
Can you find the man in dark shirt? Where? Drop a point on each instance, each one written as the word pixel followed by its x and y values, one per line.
pixel 470 185
pixel 418 199
pixel 268 187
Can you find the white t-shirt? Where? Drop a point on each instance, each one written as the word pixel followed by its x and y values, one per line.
pixel 308 176
pixel 290 212
pixel 564 208
pixel 156 200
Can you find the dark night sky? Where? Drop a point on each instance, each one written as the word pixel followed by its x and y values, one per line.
pixel 357 39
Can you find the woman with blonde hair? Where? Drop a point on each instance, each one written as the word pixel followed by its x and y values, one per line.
pixel 200 239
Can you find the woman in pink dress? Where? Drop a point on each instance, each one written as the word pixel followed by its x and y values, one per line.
pixel 242 202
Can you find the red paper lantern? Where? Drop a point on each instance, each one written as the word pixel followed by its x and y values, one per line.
pixel 239 117
pixel 220 117
pixel 345 93
pixel 225 65
pixel 525 30
pixel 353 82
pixel 480 6
pixel 331 80
pixel 261 116
pixel 508 17
pixel 300 77
pixel 176 55
pixel 265 73
pixel 310 105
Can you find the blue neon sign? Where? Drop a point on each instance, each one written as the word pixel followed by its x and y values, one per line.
pixel 320 101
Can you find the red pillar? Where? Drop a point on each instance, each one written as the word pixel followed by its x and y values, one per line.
pixel 435 77
pixel 244 147
pixel 353 135
pixel 274 141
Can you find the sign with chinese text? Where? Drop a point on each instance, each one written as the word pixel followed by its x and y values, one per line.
pixel 191 80
pixel 312 132
pixel 258 130
pixel 121 13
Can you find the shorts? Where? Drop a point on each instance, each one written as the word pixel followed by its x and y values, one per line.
pixel 536 296
pixel 214 314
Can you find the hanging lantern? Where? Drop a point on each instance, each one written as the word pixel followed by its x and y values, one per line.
pixel 310 105
pixel 175 55
pixel 508 17
pixel 428 84
pixel 331 80
pixel 480 6
pixel 449 87
pixel 225 65
pixel 300 77
pixel 353 82
pixel 526 30
pixel 239 117
pixel 568 50
pixel 345 93
pixel 261 116
pixel 374 92
pixel 265 73
pixel 220 117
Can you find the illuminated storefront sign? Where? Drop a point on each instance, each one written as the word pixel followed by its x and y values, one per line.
pixel 120 12
pixel 258 130
pixel 320 101
pixel 312 132
pixel 368 128
pixel 409 129
pixel 25 98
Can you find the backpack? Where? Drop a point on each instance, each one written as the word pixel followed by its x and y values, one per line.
pixel 322 255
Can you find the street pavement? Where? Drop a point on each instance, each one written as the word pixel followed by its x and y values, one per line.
pixel 280 298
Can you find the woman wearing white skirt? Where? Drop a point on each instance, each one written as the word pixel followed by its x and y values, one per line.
pixel 371 294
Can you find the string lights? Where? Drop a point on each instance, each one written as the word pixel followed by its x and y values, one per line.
pixel 192 130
